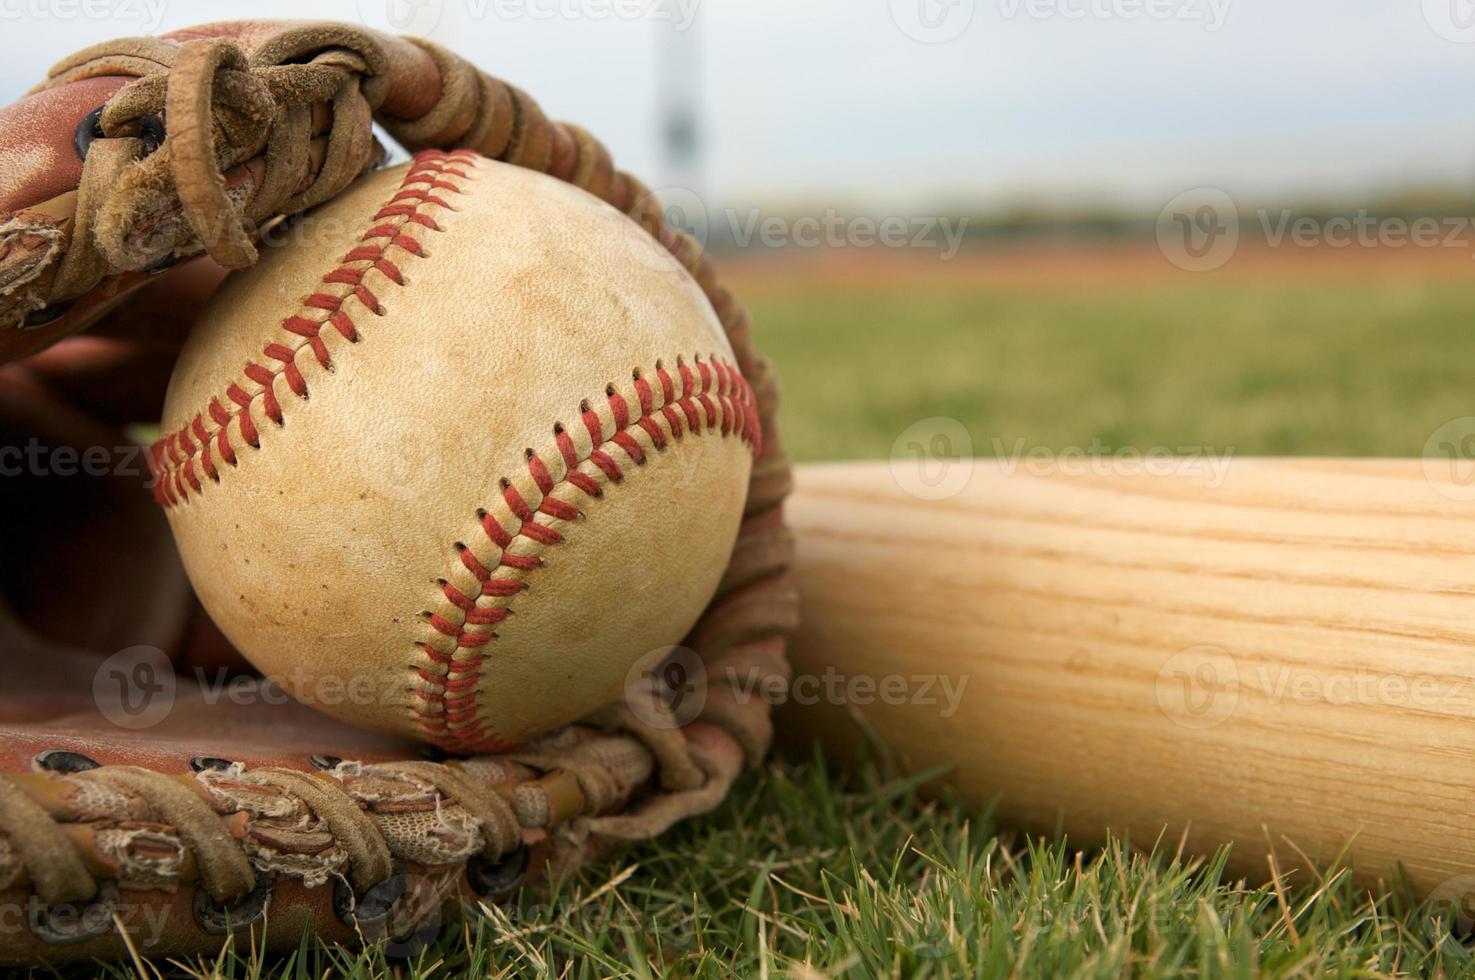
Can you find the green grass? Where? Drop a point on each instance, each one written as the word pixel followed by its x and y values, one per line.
pixel 1364 369
pixel 807 872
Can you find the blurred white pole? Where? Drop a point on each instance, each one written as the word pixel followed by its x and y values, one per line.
pixel 678 81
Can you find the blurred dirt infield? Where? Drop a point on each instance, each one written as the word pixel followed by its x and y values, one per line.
pixel 1077 265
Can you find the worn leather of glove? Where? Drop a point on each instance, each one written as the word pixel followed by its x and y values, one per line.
pixel 131 181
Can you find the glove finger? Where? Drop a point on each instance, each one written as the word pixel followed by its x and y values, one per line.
pixel 89 560
pixel 119 372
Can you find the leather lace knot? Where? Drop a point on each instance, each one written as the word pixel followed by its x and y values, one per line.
pixel 221 113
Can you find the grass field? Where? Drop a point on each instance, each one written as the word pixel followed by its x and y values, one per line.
pixel 1351 359
pixel 807 872
pixel 805 875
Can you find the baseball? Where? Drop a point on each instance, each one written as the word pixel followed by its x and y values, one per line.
pixel 454 457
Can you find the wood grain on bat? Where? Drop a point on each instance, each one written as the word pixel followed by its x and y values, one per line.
pixel 1281 650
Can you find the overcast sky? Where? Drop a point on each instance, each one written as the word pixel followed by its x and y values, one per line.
pixel 911 101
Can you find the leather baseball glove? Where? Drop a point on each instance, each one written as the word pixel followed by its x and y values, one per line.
pixel 132 180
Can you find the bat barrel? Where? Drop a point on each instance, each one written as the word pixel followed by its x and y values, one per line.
pixel 1273 654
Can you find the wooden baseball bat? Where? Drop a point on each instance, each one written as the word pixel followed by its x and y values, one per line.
pixel 1273 654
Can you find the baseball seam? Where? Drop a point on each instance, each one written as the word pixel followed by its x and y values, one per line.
pixel 711 396
pixel 173 458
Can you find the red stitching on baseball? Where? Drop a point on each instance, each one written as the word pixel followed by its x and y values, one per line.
pixel 172 458
pixel 715 397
